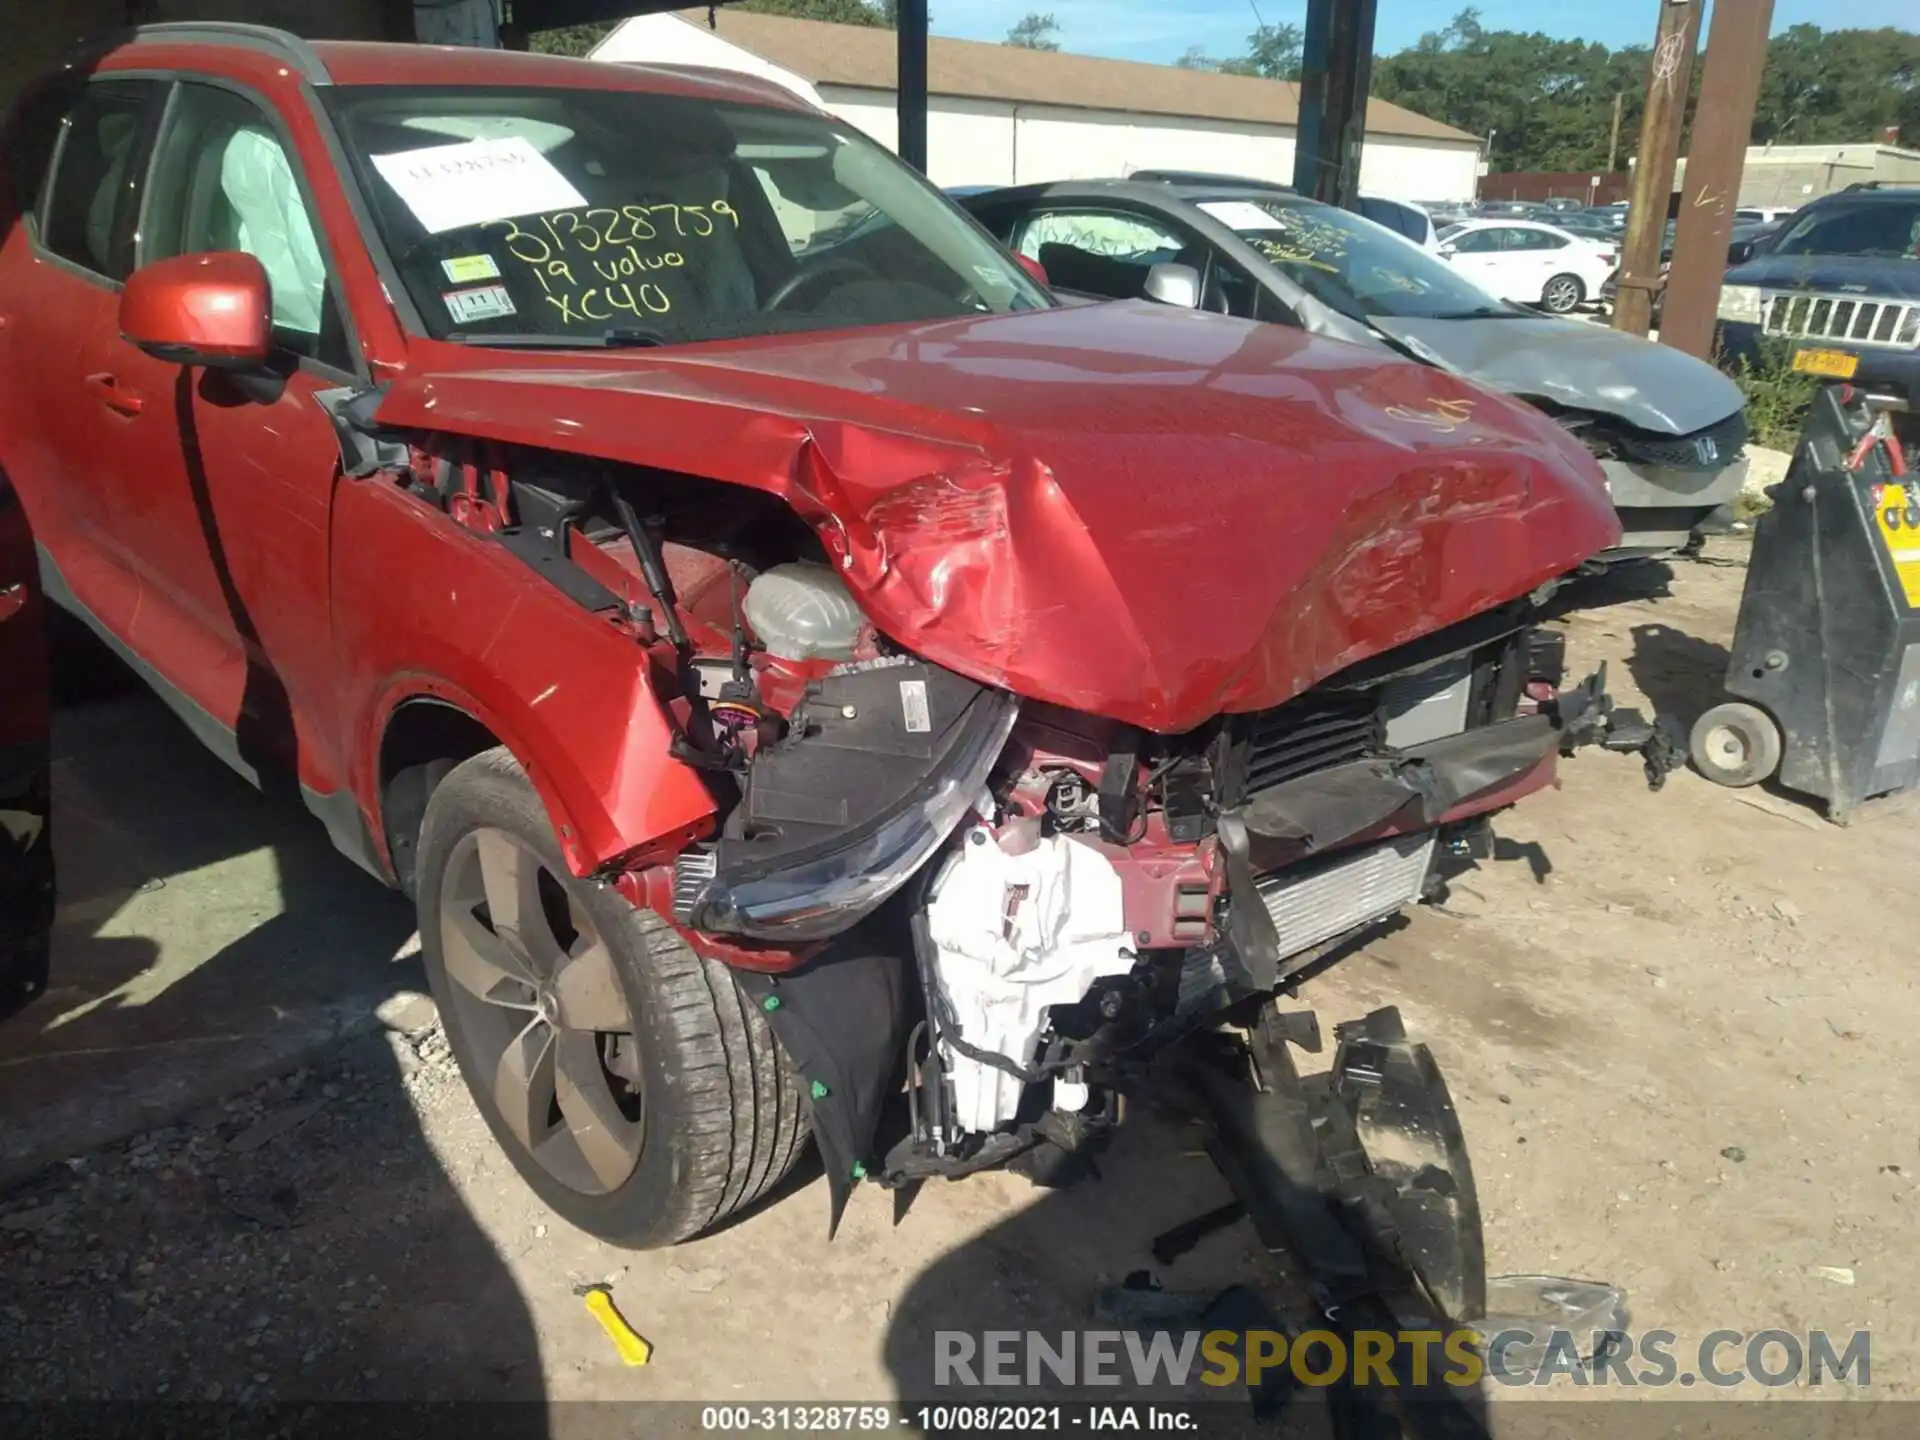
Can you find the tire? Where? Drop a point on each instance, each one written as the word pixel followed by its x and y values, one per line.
pixel 1563 294
pixel 653 1056
pixel 1735 744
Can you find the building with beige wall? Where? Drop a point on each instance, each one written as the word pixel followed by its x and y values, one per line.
pixel 999 115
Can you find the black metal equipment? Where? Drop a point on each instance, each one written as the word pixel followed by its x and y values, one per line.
pixel 1358 1177
pixel 1825 669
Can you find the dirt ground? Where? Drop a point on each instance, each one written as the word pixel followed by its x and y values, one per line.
pixel 1680 1029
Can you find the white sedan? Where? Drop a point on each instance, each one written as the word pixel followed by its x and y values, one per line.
pixel 1530 263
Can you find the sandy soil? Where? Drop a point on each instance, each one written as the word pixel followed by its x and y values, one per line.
pixel 1680 1028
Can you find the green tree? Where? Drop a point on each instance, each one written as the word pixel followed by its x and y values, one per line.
pixel 839 12
pixel 570 39
pixel 1196 58
pixel 579 39
pixel 1035 32
pixel 1273 53
pixel 1836 86
pixel 1549 103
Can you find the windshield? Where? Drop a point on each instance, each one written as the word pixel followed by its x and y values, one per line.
pixel 578 215
pixel 1879 227
pixel 1357 267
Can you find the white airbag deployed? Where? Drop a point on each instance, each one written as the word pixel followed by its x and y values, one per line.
pixel 1012 935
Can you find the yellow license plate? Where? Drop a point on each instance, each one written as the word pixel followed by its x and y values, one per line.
pixel 1836 363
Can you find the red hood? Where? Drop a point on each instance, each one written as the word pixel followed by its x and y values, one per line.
pixel 1126 509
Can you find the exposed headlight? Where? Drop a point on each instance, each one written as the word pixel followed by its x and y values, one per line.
pixel 1740 303
pixel 813 896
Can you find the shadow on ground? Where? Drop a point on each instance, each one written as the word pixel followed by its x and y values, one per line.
pixel 1680 674
pixel 1060 1269
pixel 274 1238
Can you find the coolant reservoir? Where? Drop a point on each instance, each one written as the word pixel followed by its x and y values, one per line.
pixel 801 611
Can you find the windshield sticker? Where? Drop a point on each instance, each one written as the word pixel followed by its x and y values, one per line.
pixel 588 260
pixel 469 269
pixel 449 187
pixel 1238 214
pixel 489 302
pixel 1286 252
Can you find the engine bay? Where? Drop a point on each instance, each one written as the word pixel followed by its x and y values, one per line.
pixel 1069 891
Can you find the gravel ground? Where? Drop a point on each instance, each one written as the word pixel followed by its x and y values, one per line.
pixel 1680 1029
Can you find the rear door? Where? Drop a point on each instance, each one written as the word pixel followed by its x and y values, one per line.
pixel 61 270
pixel 26 846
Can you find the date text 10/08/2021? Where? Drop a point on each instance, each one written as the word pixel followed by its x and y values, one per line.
pixel 944 1419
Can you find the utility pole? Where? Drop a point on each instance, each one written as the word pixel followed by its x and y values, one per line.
pixel 1722 126
pixel 1668 79
pixel 1613 142
pixel 1336 71
pixel 910 99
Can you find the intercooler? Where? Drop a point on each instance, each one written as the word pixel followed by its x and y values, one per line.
pixel 1313 904
pixel 1346 890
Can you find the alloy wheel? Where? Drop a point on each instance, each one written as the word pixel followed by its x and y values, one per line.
pixel 1563 294
pixel 540 1003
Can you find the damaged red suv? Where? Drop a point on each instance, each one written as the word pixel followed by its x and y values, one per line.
pixel 786 654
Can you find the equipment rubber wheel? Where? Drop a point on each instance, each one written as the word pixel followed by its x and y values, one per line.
pixel 1735 744
pixel 1563 294
pixel 631 1083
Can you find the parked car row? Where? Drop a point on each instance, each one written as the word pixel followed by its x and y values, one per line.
pixel 1668 429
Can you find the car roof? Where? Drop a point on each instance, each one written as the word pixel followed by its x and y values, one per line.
pixel 1147 192
pixel 241 47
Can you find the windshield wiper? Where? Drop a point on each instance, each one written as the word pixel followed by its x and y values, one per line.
pixel 1483 313
pixel 616 338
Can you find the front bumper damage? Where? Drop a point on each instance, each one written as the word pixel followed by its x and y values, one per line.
pixel 1031 966
pixel 1661 506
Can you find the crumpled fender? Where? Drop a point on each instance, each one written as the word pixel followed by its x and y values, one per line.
pixel 571 701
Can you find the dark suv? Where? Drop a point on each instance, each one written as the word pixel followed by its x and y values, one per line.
pixel 1839 287
pixel 662 534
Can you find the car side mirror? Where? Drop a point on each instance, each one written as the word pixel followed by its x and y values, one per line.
pixel 1739 252
pixel 1172 284
pixel 1447 252
pixel 1032 266
pixel 214 310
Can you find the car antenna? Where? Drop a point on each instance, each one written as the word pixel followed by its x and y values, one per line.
pixel 652 568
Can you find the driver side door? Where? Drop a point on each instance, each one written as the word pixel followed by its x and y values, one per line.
pixel 223 486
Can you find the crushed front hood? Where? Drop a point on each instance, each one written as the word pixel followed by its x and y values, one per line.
pixel 1584 367
pixel 1129 510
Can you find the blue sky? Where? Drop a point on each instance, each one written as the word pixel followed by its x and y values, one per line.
pixel 1157 30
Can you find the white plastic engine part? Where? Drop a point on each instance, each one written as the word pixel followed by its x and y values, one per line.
pixel 1012 935
pixel 801 611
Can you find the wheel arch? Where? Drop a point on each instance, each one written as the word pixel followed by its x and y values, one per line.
pixel 424 727
pixel 424 736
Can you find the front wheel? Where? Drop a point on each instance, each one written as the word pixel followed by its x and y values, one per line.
pixel 630 1082
pixel 1563 294
pixel 1735 744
